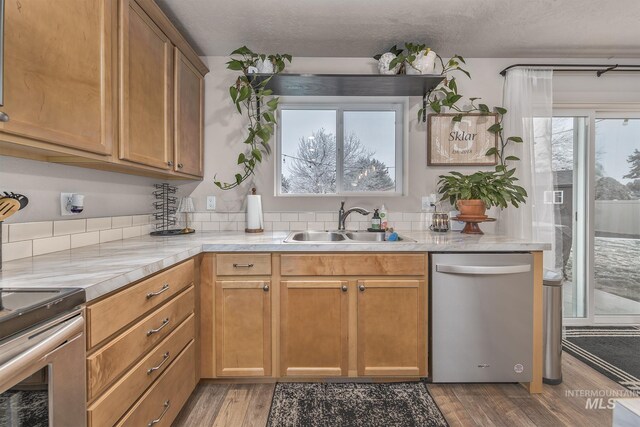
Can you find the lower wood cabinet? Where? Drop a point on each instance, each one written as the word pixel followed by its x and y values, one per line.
pixel 391 328
pixel 314 328
pixel 243 328
pixel 160 405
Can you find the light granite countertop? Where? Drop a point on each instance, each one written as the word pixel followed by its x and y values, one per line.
pixel 106 267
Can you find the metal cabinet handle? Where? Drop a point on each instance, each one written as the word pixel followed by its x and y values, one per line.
pixel 362 288
pixel 165 357
pixel 166 405
pixel 165 322
pixel 344 288
pixel 483 269
pixel 242 265
pixel 170 163
pixel 180 165
pixel 265 288
pixel 4 117
pixel 164 288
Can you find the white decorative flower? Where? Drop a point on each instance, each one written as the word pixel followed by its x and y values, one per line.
pixel 383 64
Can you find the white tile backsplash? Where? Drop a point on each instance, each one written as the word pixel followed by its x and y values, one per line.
pixel 306 216
pixel 23 240
pixel 97 224
pixel 30 230
pixel 288 216
pixel 72 226
pixel 17 250
pixel 85 239
pixel 110 235
pixel 121 221
pixel 51 244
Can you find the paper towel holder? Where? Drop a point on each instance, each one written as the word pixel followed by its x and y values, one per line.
pixel 254 213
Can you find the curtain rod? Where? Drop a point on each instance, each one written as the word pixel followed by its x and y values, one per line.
pixel 600 69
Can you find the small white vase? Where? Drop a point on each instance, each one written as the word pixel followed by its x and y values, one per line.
pixel 383 64
pixel 265 67
pixel 425 63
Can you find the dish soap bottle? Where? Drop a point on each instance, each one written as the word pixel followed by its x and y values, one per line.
pixel 375 221
pixel 384 220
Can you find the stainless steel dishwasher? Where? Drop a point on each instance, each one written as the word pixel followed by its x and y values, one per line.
pixel 481 317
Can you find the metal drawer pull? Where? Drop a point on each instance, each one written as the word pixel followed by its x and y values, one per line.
pixel 164 288
pixel 242 265
pixel 165 357
pixel 265 288
pixel 483 269
pixel 164 411
pixel 362 288
pixel 344 288
pixel 165 322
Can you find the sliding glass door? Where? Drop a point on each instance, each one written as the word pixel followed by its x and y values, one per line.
pixel 596 162
pixel 616 231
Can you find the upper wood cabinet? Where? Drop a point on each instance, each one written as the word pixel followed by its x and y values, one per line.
pixel 146 89
pixel 105 84
pixel 59 73
pixel 188 112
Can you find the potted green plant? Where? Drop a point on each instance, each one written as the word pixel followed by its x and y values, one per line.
pixel 473 193
pixel 258 104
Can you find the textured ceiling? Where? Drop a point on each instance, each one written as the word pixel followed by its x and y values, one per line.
pixel 361 28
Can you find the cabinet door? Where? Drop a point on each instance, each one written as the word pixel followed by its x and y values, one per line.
pixel 391 328
pixel 314 327
pixel 243 328
pixel 189 124
pixel 146 81
pixel 59 75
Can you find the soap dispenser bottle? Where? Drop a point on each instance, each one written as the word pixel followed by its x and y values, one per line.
pixel 384 220
pixel 376 222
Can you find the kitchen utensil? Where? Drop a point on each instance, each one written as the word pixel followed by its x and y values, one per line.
pixel 8 207
pixel 24 201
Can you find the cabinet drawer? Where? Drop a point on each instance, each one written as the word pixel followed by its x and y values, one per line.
pixel 243 264
pixel 116 400
pixel 113 313
pixel 109 362
pixel 160 405
pixel 353 264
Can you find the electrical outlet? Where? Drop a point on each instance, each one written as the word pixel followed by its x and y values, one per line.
pixel 426 203
pixel 211 203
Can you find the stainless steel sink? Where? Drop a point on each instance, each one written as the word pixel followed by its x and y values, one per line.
pixel 339 237
pixel 315 236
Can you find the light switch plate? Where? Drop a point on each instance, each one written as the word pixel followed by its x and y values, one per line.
pixel 211 203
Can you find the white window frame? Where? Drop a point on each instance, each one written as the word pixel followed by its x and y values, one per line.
pixel 341 105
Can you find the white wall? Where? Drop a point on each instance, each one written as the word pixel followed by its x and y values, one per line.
pixel 224 132
pixel 113 194
pixel 107 193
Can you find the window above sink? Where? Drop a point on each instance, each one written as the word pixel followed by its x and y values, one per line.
pixel 340 148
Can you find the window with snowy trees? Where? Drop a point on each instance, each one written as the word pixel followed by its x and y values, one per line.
pixel 335 149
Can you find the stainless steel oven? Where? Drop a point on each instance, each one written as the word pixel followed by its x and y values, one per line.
pixel 42 374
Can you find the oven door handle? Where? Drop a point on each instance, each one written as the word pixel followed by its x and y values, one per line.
pixel 32 355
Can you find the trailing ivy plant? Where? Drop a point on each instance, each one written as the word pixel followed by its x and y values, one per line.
pixel 247 95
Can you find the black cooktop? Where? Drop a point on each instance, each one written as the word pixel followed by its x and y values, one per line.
pixel 23 308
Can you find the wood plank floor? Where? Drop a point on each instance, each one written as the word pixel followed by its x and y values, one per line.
pixel 244 405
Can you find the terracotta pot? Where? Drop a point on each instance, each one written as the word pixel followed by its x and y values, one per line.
pixel 473 207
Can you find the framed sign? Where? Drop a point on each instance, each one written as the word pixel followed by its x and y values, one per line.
pixel 462 143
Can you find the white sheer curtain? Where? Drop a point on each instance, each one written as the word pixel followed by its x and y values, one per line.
pixel 528 98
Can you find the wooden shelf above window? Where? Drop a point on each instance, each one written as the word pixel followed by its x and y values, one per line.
pixel 349 84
